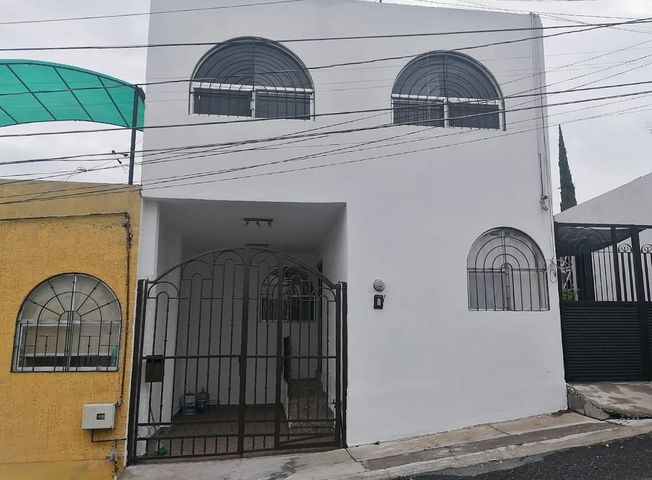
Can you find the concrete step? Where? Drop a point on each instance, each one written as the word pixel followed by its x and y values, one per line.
pixel 580 403
pixel 611 399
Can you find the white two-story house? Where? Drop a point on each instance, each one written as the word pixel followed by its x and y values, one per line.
pixel 346 231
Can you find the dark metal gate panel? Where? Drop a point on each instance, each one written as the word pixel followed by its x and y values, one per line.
pixel 604 285
pixel 237 351
pixel 602 342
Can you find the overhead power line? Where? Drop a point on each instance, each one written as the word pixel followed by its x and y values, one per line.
pixel 307 133
pixel 317 115
pixel 580 28
pixel 277 2
pixel 143 14
pixel 177 178
pixel 473 5
pixel 162 151
pixel 333 65
pixel 102 190
pixel 343 64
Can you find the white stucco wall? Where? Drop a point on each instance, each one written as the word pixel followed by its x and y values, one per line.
pixel 425 363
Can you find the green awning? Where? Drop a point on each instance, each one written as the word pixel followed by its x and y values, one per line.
pixel 33 91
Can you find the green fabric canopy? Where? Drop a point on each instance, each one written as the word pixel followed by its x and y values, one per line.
pixel 33 91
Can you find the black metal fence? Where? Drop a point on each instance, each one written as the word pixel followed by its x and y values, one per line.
pixel 605 292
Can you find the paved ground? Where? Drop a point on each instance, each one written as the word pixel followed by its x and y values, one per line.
pixel 620 399
pixel 629 459
pixel 505 442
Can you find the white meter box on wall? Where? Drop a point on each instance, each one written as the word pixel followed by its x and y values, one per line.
pixel 98 416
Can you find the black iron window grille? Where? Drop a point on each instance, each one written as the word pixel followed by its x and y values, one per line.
pixel 447 89
pixel 301 302
pixel 507 271
pixel 70 322
pixel 252 77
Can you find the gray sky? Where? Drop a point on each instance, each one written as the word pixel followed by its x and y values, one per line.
pixel 604 152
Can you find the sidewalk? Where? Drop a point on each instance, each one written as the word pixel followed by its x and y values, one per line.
pixel 389 460
pixel 611 399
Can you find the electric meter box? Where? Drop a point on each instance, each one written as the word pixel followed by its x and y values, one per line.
pixel 98 416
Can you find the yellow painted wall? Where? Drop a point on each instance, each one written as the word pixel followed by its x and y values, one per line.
pixel 49 228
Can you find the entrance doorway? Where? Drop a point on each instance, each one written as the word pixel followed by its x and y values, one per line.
pixel 238 351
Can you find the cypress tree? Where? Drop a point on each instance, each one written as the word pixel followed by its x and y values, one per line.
pixel 565 178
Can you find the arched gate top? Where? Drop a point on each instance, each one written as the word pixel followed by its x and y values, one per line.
pixel 247 255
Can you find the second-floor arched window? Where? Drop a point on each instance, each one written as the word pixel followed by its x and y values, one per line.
pixel 252 77
pixel 447 89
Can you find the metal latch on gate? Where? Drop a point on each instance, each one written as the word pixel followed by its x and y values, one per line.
pixel 154 368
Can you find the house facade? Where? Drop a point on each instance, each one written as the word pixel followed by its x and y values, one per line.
pixel 69 281
pixel 346 230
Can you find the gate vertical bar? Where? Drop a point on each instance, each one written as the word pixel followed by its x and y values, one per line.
pixel 616 263
pixel 642 307
pixel 279 353
pixel 136 367
pixel 338 365
pixel 243 351
pixel 345 358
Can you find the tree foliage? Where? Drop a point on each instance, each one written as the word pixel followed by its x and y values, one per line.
pixel 565 178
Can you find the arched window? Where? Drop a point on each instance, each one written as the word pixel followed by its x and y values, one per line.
pixel 70 322
pixel 506 271
pixel 447 89
pixel 252 77
pixel 300 300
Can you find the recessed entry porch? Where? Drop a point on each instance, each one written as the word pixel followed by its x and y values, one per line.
pixel 240 332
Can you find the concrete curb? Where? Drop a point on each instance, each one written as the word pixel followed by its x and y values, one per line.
pixel 471 447
pixel 508 452
pixel 578 402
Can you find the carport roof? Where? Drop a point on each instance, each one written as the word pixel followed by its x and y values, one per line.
pixel 574 238
pixel 35 91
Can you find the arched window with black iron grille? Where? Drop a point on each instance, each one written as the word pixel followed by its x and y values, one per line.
pixel 300 299
pixel 252 77
pixel 447 89
pixel 507 271
pixel 70 322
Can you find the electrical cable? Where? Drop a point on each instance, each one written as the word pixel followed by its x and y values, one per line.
pixel 180 151
pixel 592 26
pixel 177 178
pixel 326 114
pixel 119 189
pixel 141 14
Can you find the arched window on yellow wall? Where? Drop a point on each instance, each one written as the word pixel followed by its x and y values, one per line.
pixel 70 322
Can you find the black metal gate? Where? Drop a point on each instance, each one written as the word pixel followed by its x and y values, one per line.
pixel 606 301
pixel 237 351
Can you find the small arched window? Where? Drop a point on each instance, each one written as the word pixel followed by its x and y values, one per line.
pixel 70 322
pixel 447 89
pixel 252 77
pixel 507 271
pixel 300 300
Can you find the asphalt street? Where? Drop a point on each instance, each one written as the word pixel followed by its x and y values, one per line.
pixel 629 459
